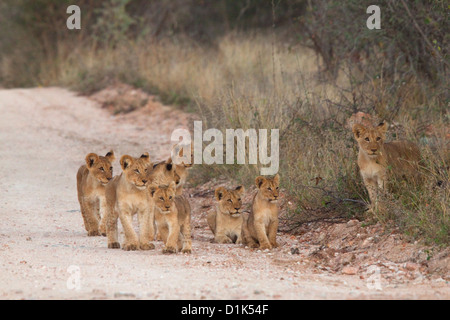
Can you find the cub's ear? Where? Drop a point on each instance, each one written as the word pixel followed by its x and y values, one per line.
pixel 110 156
pixel 220 192
pixel 146 157
pixel 169 164
pixel 126 161
pixel 152 189
pixel 358 130
pixel 91 159
pixel 382 127
pixel 276 179
pixel 259 181
pixel 240 189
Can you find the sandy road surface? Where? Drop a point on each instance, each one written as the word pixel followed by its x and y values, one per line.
pixel 44 250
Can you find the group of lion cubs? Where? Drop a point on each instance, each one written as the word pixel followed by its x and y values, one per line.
pixel 153 191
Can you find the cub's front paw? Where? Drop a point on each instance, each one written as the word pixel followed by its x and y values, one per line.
pixel 224 240
pixel 186 250
pixel 114 245
pixel 130 247
pixel 274 244
pixel 265 246
pixel 169 249
pixel 147 246
pixel 93 233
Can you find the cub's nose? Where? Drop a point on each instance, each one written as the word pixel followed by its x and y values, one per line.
pixel 237 209
pixel 144 181
pixel 109 179
pixel 373 150
pixel 167 207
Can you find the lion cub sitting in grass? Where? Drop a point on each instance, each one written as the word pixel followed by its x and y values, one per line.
pixel 173 218
pixel 91 181
pixel 375 157
pixel 127 195
pixel 260 228
pixel 226 221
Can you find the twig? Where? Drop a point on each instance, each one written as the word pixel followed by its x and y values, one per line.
pixel 423 34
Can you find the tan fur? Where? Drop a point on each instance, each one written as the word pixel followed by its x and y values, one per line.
pixel 173 218
pixel 165 172
pixel 226 221
pixel 375 157
pixel 182 169
pixel 126 196
pixel 91 180
pixel 260 228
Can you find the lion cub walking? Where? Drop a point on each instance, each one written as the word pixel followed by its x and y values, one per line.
pixel 91 181
pixel 226 221
pixel 126 196
pixel 260 228
pixel 375 157
pixel 173 218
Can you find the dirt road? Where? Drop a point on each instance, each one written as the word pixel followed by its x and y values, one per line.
pixel 45 134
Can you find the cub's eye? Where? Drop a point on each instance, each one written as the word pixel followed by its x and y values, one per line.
pixel 239 199
pixel 270 189
pixel 146 170
pixel 378 138
pixel 278 188
pixel 137 171
pixel 367 139
pixel 170 198
pixel 229 200
pixel 101 169
pixel 111 168
pixel 161 198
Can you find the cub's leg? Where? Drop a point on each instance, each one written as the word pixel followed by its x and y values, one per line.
pixel 163 231
pixel 145 230
pixel 247 238
pixel 111 228
pixel 273 228
pixel 260 230
pixel 185 231
pixel 221 236
pixel 172 239
pixel 372 189
pixel 211 219
pixel 131 239
pixel 102 211
pixel 90 217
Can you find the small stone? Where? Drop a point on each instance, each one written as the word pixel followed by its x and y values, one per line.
pixel 349 271
pixel 410 266
pixel 352 223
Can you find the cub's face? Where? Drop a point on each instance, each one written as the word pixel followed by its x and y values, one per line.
pixel 269 187
pixel 163 196
pixel 229 200
pixel 136 170
pixel 370 140
pixel 100 167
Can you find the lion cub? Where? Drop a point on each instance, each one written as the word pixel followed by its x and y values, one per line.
pixel 226 221
pixel 375 157
pixel 91 180
pixel 260 228
pixel 173 218
pixel 127 195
